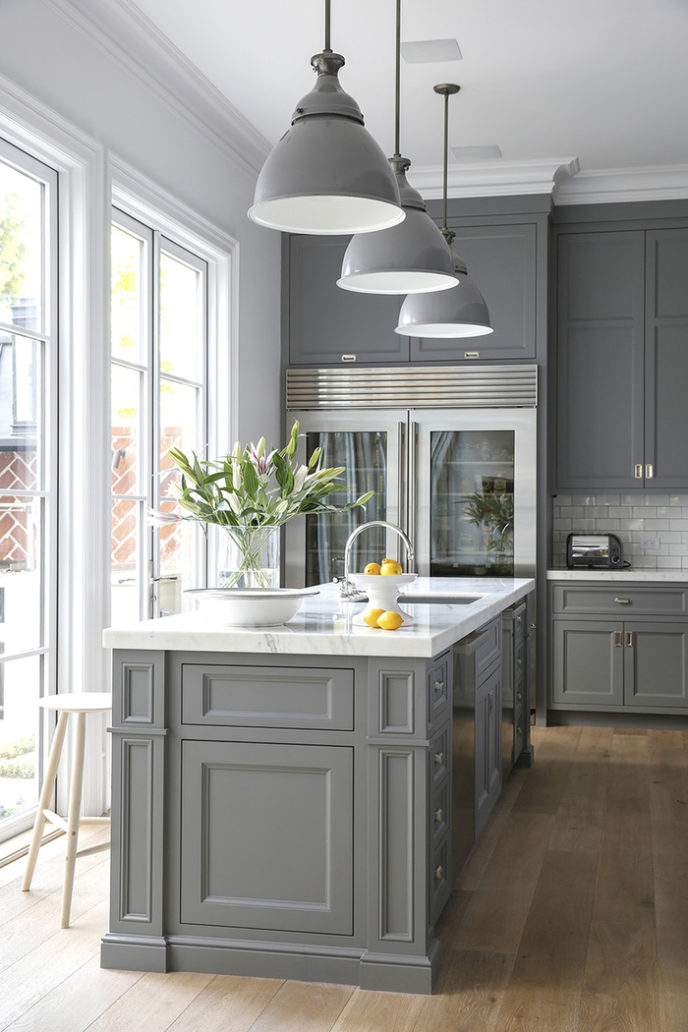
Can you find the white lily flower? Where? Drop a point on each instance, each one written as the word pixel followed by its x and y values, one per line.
pixel 300 478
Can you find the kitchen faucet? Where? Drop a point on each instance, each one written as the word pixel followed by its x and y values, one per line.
pixel 346 588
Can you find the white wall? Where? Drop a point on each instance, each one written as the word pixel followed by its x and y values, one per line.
pixel 59 60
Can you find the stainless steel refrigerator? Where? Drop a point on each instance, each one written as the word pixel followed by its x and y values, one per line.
pixel 450 452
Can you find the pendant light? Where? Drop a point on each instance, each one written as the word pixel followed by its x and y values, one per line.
pixel 408 257
pixel 327 174
pixel 454 313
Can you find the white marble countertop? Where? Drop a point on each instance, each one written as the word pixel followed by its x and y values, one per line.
pixel 627 575
pixel 324 624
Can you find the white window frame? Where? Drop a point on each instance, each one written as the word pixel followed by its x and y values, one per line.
pixel 46 490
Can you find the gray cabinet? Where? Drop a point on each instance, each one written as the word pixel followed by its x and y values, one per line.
pixel 622 359
pixel 488 746
pixel 502 261
pixel 602 659
pixel 328 325
pixel 267 836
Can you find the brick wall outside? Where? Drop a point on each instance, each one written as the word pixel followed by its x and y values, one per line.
pixel 18 470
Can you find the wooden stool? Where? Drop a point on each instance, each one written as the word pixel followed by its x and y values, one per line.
pixel 80 703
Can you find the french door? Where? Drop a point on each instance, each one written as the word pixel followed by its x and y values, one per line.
pixel 158 401
pixel 28 474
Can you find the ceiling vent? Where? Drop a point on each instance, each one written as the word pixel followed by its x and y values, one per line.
pixel 429 51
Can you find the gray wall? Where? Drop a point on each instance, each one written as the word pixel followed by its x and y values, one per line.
pixel 653 528
pixel 59 61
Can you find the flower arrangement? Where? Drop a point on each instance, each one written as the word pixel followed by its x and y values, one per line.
pixel 251 492
pixel 495 511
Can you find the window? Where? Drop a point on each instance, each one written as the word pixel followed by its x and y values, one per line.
pixel 159 378
pixel 28 473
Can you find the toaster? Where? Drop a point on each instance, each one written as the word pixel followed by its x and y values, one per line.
pixel 600 551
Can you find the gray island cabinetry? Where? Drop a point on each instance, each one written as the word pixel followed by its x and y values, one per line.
pixel 282 798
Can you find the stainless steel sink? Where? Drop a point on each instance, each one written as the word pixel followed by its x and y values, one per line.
pixel 439 600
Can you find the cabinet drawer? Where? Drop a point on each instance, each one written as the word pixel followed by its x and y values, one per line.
pixel 439 756
pixel 439 879
pixel 438 691
pixel 479 651
pixel 620 600
pixel 439 813
pixel 232 695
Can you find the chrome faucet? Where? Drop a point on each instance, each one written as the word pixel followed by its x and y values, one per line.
pixel 346 588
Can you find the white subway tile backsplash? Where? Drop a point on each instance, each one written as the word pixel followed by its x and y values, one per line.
pixel 653 528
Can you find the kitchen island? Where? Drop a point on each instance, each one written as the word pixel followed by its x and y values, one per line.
pixel 281 797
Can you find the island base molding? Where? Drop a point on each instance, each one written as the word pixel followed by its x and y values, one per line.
pixel 388 972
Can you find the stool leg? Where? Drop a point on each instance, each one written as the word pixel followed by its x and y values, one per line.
pixel 73 816
pixel 44 801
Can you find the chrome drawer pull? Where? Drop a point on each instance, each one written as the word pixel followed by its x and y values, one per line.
pixel 649 471
pixel 439 758
pixel 638 471
pixel 439 816
pixel 617 639
pixel 439 873
pixel 439 686
pixel 623 601
pixel 629 639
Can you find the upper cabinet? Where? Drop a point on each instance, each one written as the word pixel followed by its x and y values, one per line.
pixel 622 360
pixel 325 325
pixel 328 325
pixel 502 262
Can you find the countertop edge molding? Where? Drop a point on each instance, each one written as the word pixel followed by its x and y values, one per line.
pixel 627 576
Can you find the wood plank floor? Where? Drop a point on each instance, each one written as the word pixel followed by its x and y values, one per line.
pixel 571 916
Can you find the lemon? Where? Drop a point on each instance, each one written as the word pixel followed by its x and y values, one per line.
pixel 390 567
pixel 372 568
pixel 371 616
pixel 390 621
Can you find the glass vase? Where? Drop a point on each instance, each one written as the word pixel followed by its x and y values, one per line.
pixel 251 558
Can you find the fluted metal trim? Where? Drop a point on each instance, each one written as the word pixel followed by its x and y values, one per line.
pixel 474 386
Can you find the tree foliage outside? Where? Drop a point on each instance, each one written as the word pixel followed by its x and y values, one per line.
pixel 13 222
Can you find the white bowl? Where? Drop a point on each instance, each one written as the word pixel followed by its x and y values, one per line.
pixel 252 607
pixel 383 592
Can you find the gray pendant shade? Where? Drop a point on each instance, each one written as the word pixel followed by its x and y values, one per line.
pixel 404 259
pixel 327 175
pixel 461 312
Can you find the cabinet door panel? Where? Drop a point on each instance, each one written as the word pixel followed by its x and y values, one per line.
pixel 666 358
pixel 656 665
pixel 587 668
pixel 600 360
pixel 488 747
pixel 501 261
pixel 326 322
pixel 267 839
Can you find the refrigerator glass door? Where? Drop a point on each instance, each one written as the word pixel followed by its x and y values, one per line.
pixel 370 447
pixel 473 496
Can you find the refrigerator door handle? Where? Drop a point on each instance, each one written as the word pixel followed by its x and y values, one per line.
pixel 402 484
pixel 412 480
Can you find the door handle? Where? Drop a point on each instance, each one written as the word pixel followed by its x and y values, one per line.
pixel 649 471
pixel 623 601
pixel 629 639
pixel 167 577
pixel 401 479
pixel 412 475
pixel 617 639
pixel 638 471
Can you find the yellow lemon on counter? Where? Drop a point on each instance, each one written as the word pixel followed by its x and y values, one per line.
pixel 390 567
pixel 371 617
pixel 390 621
pixel 373 568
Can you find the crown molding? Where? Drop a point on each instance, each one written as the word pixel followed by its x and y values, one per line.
pixel 132 38
pixel 493 178
pixel 615 185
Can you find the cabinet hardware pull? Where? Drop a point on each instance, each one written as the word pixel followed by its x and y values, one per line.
pixel 439 816
pixel 439 873
pixel 348 358
pixel 629 639
pixel 649 471
pixel 471 354
pixel 638 471
pixel 439 686
pixel 617 639
pixel 623 601
pixel 439 758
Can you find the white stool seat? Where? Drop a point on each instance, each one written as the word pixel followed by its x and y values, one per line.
pixel 78 704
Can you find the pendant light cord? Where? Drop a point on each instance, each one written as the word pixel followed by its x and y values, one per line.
pixel 446 143
pixel 397 83
pixel 328 48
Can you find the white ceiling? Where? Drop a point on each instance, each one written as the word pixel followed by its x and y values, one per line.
pixel 605 81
